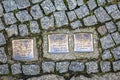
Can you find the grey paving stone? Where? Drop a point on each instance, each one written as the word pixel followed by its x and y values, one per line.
pixel 31 69
pixel 21 4
pixel 23 16
pixel 48 6
pixel 111 8
pixel 118 25
pixel 47 22
pixel 16 68
pixel 12 30
pixel 92 67
pixel 71 15
pixel 105 66
pixel 4 69
pixel 72 4
pixel 62 67
pixel 2 39
pixel 102 30
pixel 61 18
pixel 36 1
pixel 1 25
pixel 77 66
pixel 9 18
pixel 80 2
pixel 91 4
pixel 119 5
pixel 48 67
pixel 3 57
pixel 9 5
pixel 102 15
pixel 106 55
pixel 116 65
pixel 90 20
pixel 34 27
pixel 109 0
pixel 107 42
pixel 110 27
pixel 60 5
pixel 1 10
pixel 101 2
pixel 82 11
pixel 36 12
pixel 23 30
pixel 76 24
pixel 115 15
pixel 116 37
pixel 116 52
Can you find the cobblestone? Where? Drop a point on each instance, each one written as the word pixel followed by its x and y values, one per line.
pixel 71 15
pixel 118 25
pixel 2 39
pixel 116 65
pixel 80 2
pixel 76 24
pixel 115 15
pixel 34 27
pixel 23 16
pixel 110 27
pixel 3 57
pixel 111 8
pixel 31 69
pixel 1 25
pixel 116 37
pixel 48 67
pixel 101 2
pixel 16 68
pixel 36 12
pixel 92 4
pixel 105 66
pixel 1 11
pixel 72 4
pixel 36 1
pixel 9 18
pixel 116 53
pixel 107 42
pixel 106 55
pixel 62 67
pixel 4 69
pixel 102 30
pixel 77 66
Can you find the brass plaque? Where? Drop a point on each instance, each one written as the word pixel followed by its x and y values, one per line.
pixel 83 42
pixel 23 49
pixel 58 43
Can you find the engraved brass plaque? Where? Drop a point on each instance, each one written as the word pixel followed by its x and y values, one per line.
pixel 23 49
pixel 83 42
pixel 58 43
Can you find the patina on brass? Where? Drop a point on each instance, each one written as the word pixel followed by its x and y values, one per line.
pixel 83 42
pixel 58 43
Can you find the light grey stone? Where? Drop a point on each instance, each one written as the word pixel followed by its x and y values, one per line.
pixel 34 27
pixel 1 10
pixel 23 30
pixel 102 30
pixel 82 11
pixel 106 55
pixel 80 2
pixel 31 69
pixel 71 15
pixel 116 37
pixel 92 4
pixel 9 5
pixel 76 24
pixel 9 18
pixel 118 25
pixel 48 77
pixel 72 4
pixel 48 6
pixel 111 8
pixel 90 20
pixel 3 57
pixel 48 67
pixel 16 68
pixel 12 30
pixel 77 66
pixel 61 18
pixel 47 22
pixel 119 5
pixel 4 69
pixel 101 2
pixel 116 65
pixel 62 67
pixel 107 42
pixel 110 27
pixel 36 12
pixel 109 0
pixel 1 25
pixel 102 15
pixel 116 53
pixel 92 67
pixel 105 66
pixel 36 1
pixel 115 15
pixel 60 5
pixel 2 39
pixel 21 4
pixel 23 16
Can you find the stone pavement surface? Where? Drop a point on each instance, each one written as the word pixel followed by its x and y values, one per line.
pixel 59 40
